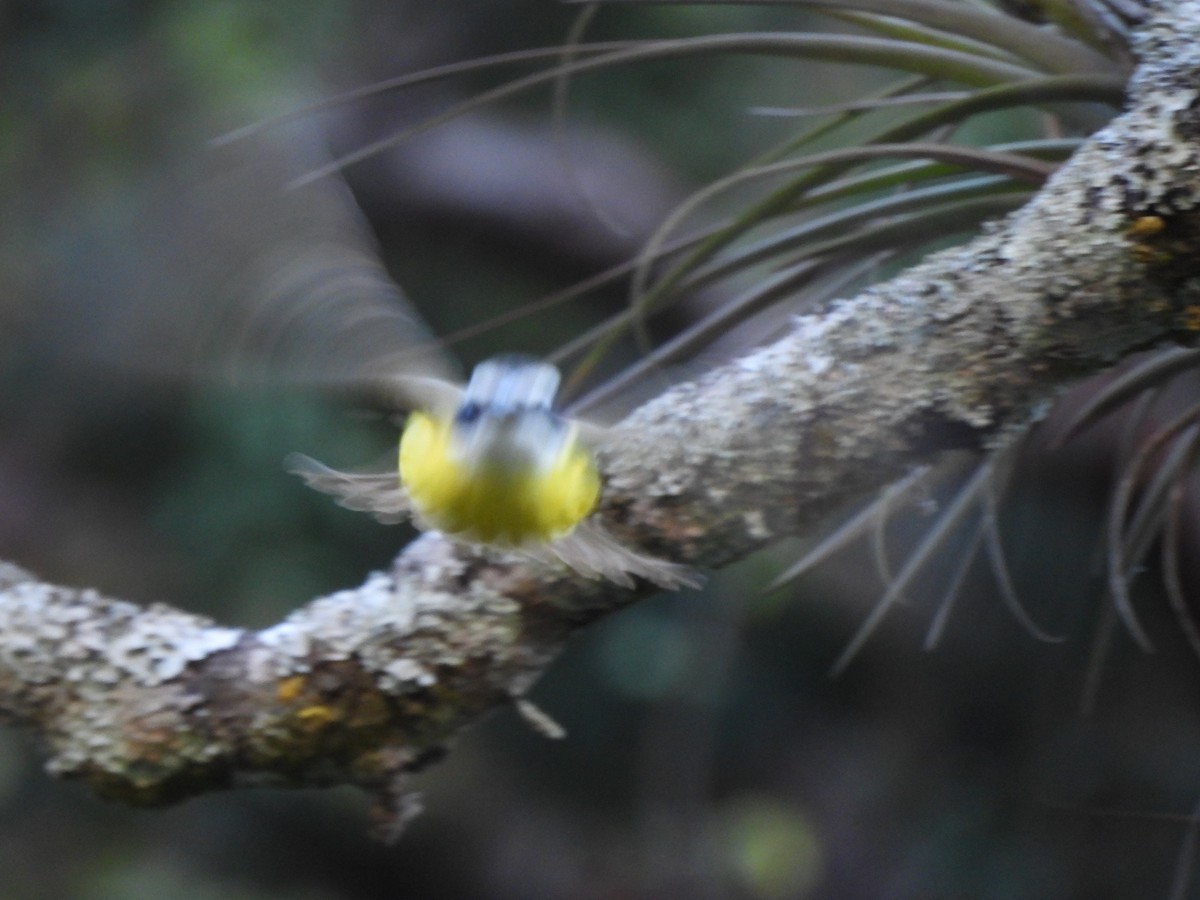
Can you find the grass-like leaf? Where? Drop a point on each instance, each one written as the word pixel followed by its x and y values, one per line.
pixel 1009 164
pixel 816 280
pixel 946 525
pixel 1172 581
pixel 1152 371
pixel 949 65
pixel 1051 52
pixel 1042 91
pixel 853 529
pixel 1126 545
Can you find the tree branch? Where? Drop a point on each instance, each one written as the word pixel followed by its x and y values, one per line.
pixel 362 686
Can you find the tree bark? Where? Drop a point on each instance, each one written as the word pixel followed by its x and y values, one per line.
pixel 968 348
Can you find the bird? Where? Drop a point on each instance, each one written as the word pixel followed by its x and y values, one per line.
pixel 496 466
pixel 286 286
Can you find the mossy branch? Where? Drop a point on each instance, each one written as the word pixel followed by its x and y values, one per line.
pixel 153 704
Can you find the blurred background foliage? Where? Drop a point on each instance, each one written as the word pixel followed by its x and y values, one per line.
pixel 709 755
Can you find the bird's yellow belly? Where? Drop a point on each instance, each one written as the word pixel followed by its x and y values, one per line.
pixel 500 505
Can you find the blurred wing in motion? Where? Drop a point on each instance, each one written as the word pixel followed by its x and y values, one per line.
pixel 378 493
pixel 593 552
pixel 245 281
pixel 259 284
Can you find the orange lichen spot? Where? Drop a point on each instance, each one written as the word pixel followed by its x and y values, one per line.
pixel 318 716
pixel 289 689
pixel 1144 227
pixel 1150 256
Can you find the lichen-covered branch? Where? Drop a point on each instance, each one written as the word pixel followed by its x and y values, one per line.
pixel 364 685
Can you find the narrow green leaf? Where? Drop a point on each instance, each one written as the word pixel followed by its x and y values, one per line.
pixel 1046 49
pixel 1037 91
pixel 933 61
pixel 843 220
pixel 1008 164
pixel 836 253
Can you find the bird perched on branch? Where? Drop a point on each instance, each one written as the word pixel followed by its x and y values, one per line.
pixel 277 285
pixel 495 465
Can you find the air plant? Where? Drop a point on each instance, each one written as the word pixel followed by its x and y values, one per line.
pixel 856 187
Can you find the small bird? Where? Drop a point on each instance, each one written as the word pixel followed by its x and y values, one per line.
pixel 279 286
pixel 495 465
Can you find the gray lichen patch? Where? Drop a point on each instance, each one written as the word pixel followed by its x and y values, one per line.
pixel 161 642
pixel 398 633
pixel 102 641
pixel 103 678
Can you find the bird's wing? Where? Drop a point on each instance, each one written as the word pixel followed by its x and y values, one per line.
pixel 593 552
pixel 378 493
pixel 246 281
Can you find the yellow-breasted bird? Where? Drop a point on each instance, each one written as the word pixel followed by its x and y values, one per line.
pixel 276 285
pixel 495 465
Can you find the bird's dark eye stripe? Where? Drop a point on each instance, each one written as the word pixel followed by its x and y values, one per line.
pixel 468 412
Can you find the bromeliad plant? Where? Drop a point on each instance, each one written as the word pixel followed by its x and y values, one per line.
pixel 856 187
pixel 895 180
